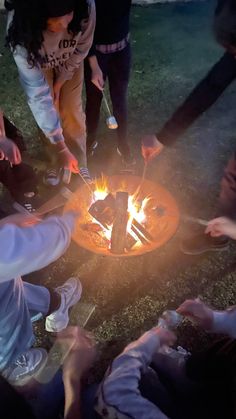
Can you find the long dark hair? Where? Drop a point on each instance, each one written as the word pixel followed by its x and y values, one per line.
pixel 29 22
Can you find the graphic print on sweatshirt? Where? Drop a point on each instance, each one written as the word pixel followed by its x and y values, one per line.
pixel 66 47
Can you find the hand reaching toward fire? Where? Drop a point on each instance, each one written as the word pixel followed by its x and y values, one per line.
pixel 151 147
pixel 222 226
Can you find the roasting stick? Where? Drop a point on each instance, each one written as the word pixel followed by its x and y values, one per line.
pixel 106 103
pixel 86 183
pixel 196 220
pixel 137 192
pixel 190 219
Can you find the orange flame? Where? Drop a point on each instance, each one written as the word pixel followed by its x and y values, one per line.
pixel 135 210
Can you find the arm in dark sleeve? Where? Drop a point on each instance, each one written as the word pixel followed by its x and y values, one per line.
pixel 200 99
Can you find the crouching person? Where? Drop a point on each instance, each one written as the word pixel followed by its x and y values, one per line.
pixel 57 396
pixel 24 248
pixel 150 380
pixel 19 178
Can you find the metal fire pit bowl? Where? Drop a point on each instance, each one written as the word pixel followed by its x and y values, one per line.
pixel 162 215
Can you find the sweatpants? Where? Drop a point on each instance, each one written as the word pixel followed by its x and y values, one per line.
pixel 202 386
pixel 71 113
pixel 116 68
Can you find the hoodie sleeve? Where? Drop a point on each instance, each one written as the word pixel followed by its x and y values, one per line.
pixel 119 391
pixel 66 71
pixel 24 250
pixel 202 97
pixel 39 96
pixel 225 322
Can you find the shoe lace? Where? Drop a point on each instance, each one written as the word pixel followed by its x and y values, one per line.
pixel 63 289
pixel 52 172
pixel 21 361
pixel 84 171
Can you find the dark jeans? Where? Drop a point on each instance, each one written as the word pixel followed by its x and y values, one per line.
pixel 202 387
pixel 115 67
pixel 48 400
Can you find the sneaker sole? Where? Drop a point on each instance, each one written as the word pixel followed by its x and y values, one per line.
pixel 200 252
pixel 23 381
pixel 74 300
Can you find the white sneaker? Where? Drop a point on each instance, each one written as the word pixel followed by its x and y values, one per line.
pixel 52 177
pixel 26 366
pixel 70 294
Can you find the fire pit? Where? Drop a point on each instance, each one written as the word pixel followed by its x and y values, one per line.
pixel 119 219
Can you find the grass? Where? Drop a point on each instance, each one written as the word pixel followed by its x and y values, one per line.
pixel 172 49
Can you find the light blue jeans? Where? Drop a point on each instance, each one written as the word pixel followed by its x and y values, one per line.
pixel 17 300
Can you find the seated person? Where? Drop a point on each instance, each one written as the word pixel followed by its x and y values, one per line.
pixel 144 381
pixel 18 177
pixel 150 381
pixel 26 245
pixel 47 400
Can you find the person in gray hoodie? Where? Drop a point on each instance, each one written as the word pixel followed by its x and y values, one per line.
pixel 49 40
pixel 150 380
pixel 26 245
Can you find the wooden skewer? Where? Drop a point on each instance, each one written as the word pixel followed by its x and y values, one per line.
pixel 106 103
pixel 188 218
pixel 137 192
pixel 86 183
pixel 196 220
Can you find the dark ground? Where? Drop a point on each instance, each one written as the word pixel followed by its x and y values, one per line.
pixel 172 49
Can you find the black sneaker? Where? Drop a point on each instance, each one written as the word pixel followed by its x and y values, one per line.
pixel 84 172
pixel 30 202
pixel 202 243
pixel 52 177
pixel 126 156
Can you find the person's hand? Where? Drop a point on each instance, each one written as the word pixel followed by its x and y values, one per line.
pixel 81 352
pixel 20 220
pixel 166 336
pixel 97 78
pixel 57 85
pixel 198 312
pixel 10 150
pixel 68 160
pixel 221 226
pixel 151 147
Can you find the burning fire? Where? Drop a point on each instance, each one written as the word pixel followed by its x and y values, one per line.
pixel 136 209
